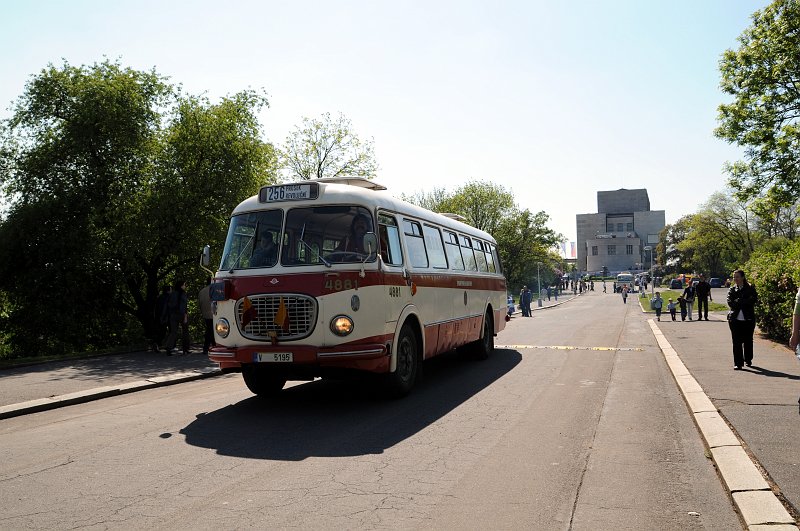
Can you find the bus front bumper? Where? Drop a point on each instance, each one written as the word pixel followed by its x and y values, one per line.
pixel 364 357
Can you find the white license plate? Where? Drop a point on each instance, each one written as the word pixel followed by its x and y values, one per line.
pixel 273 357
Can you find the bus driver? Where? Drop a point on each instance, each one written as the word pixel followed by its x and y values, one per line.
pixel 354 242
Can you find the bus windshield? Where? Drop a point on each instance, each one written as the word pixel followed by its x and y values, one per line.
pixel 311 236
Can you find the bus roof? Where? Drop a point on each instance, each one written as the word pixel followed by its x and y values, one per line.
pixel 359 191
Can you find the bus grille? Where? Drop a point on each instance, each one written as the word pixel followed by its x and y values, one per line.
pixel 262 318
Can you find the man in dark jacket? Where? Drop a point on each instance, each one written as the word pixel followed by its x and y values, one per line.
pixel 742 299
pixel 703 292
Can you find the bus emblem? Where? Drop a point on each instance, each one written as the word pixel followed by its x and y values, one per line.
pixel 274 281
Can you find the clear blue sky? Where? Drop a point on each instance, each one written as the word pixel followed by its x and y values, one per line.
pixel 553 100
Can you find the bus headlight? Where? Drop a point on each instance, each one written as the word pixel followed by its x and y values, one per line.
pixel 341 325
pixel 223 328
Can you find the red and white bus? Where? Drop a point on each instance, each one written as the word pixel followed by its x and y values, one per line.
pixel 328 276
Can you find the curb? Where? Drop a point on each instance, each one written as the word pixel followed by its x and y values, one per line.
pixel 79 397
pixel 750 492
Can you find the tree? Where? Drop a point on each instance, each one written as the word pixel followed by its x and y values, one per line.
pixel 327 147
pixel 523 238
pixel 763 76
pixel 115 181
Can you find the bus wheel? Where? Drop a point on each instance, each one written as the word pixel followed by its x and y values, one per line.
pixel 485 345
pixel 260 382
pixel 402 379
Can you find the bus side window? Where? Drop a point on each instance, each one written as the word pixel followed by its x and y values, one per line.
pixel 389 234
pixel 415 243
pixel 490 254
pixel 433 242
pixel 480 256
pixel 453 251
pixel 469 256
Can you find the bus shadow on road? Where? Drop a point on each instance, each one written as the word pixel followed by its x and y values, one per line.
pixel 341 418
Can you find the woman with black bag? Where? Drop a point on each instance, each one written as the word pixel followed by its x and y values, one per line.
pixel 742 298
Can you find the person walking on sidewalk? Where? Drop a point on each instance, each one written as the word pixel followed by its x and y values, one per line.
pixel 204 301
pixel 688 295
pixel 742 298
pixel 657 302
pixel 625 294
pixel 178 317
pixel 672 308
pixel 682 304
pixel 794 340
pixel 703 296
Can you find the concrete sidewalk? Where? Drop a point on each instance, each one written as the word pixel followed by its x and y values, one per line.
pixel 750 419
pixel 56 384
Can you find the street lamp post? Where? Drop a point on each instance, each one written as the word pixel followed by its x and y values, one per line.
pixel 652 280
pixel 539 283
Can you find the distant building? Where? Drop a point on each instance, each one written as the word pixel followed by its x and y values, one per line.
pixel 616 236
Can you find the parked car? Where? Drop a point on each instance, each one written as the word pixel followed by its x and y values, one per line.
pixel 510 305
pixel 715 282
pixel 675 283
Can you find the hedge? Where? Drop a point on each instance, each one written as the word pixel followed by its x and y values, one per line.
pixel 774 270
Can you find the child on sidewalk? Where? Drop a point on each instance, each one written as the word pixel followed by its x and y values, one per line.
pixel 657 302
pixel 671 307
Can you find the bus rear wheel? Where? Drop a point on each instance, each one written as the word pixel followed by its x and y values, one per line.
pixel 261 382
pixel 483 347
pixel 400 382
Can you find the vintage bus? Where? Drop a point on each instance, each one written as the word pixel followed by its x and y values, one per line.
pixel 332 276
pixel 625 279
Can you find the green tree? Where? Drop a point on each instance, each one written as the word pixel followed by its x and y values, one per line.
pixel 327 147
pixel 762 77
pixel 523 238
pixel 115 180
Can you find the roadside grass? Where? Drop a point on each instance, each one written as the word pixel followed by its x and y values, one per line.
pixel 671 294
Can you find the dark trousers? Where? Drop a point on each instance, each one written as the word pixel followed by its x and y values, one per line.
pixel 672 313
pixel 208 339
pixel 742 338
pixel 702 308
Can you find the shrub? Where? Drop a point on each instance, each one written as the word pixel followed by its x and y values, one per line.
pixel 774 271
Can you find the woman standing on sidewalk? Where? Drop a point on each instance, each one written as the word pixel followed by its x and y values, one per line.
pixel 742 298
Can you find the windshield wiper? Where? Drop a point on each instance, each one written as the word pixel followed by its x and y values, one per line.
pixel 236 263
pixel 302 234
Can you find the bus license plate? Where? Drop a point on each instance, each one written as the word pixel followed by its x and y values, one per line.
pixel 272 357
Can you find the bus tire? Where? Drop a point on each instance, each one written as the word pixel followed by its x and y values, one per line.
pixel 400 382
pixel 260 382
pixel 483 347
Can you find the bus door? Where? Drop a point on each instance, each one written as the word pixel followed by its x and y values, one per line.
pixel 396 285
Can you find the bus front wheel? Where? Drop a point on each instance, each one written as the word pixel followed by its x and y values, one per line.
pixel 483 347
pixel 402 379
pixel 260 382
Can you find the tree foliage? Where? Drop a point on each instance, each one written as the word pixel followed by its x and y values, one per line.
pixel 115 181
pixel 523 238
pixel 763 76
pixel 327 147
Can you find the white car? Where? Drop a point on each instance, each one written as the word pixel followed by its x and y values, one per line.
pixel 511 307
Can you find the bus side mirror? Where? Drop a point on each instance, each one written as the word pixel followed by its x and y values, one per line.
pixel 370 243
pixel 205 258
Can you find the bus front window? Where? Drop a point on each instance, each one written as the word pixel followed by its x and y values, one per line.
pixel 253 240
pixel 327 234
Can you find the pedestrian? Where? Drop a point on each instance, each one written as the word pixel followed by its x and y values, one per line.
pixel 671 306
pixel 522 306
pixel 615 287
pixel 548 292
pixel 161 317
pixel 682 304
pixel 703 296
pixel 604 287
pixel 742 298
pixel 555 292
pixel 204 301
pixel 657 303
pixel 625 294
pixel 688 295
pixel 794 340
pixel 178 317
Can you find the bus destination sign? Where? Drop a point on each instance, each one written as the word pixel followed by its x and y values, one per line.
pixel 288 192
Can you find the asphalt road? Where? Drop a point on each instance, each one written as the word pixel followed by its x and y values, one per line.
pixel 576 423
